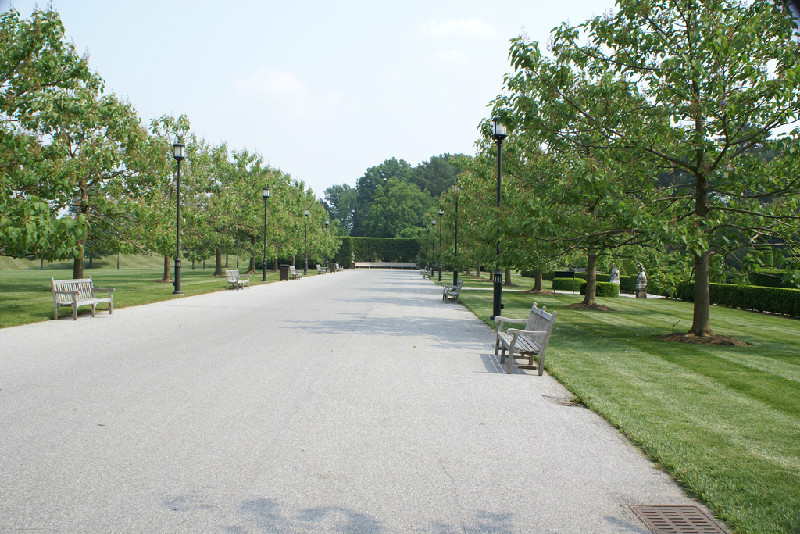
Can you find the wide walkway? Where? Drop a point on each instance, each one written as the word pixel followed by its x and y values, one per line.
pixel 354 402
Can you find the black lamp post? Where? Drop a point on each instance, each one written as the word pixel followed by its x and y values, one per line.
pixel 433 263
pixel 456 190
pixel 440 246
pixel 327 224
pixel 179 154
pixel 305 239
pixel 498 134
pixel 428 249
pixel 265 196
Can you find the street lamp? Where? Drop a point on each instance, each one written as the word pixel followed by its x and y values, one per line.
pixel 498 134
pixel 440 246
pixel 433 263
pixel 456 190
pixel 305 239
pixel 265 195
pixel 327 224
pixel 179 154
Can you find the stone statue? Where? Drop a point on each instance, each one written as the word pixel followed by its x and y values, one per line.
pixel 614 275
pixel 641 283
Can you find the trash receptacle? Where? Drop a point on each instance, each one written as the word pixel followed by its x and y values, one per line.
pixel 284 272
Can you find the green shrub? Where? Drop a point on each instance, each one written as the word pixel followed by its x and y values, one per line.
pixel 567 284
pixel 603 289
pixel 778 300
pixel 768 278
pixel 627 284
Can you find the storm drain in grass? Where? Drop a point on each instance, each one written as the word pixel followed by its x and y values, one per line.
pixel 677 520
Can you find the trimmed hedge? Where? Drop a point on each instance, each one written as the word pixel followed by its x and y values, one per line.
pixel 768 279
pixel 603 289
pixel 627 284
pixel 778 300
pixel 376 249
pixel 567 284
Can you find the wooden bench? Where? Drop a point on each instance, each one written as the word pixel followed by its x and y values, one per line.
pixel 78 293
pixel 321 269
pixel 452 292
pixel 294 274
pixel 525 343
pixel 233 278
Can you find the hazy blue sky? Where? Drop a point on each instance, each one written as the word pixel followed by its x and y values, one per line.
pixel 322 89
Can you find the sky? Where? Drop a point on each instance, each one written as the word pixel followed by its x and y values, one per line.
pixel 322 90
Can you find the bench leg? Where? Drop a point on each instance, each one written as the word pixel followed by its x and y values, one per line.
pixel 94 310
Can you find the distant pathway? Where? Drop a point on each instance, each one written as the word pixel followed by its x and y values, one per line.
pixel 354 402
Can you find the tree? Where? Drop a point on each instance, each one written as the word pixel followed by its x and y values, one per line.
pixel 35 60
pixel 340 201
pixel 397 205
pixel 716 78
pixel 96 159
pixel 436 175
pixel 367 187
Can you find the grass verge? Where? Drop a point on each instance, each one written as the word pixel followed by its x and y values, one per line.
pixel 723 421
pixel 26 296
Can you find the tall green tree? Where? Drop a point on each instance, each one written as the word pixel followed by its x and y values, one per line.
pixel 397 205
pixel 435 175
pixel 367 188
pixel 35 61
pixel 716 77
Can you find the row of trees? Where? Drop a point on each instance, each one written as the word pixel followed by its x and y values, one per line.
pixel 646 134
pixel 79 170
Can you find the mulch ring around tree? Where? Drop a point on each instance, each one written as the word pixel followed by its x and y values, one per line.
pixel 704 340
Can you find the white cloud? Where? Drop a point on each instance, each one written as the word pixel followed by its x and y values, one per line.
pixel 271 83
pixel 470 28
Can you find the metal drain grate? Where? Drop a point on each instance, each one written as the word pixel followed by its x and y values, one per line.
pixel 677 520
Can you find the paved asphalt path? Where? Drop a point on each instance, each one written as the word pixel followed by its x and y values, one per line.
pixel 354 402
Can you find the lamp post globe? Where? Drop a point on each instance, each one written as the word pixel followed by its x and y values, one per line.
pixel 498 134
pixel 265 196
pixel 178 152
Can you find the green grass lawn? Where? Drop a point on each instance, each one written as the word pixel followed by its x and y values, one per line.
pixel 26 296
pixel 723 421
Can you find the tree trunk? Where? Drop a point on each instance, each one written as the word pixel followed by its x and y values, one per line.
pixel 252 267
pixel 77 265
pixel 478 269
pixel 701 320
pixel 508 277
pixel 218 271
pixel 591 281
pixel 167 277
pixel 537 281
